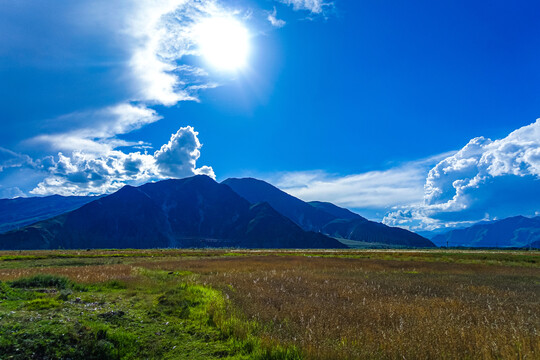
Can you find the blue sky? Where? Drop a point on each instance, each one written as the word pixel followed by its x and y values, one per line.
pixel 417 113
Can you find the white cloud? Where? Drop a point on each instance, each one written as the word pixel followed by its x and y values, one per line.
pixel 95 131
pixel 141 46
pixel 177 158
pixel 314 6
pixel 376 190
pixel 272 17
pixel 165 32
pixel 484 180
pixel 84 174
pixel 10 159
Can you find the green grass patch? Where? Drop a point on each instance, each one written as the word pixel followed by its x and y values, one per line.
pixel 161 316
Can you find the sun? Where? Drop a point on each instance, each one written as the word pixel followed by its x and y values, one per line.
pixel 223 42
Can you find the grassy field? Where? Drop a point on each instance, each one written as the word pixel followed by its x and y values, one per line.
pixel 241 304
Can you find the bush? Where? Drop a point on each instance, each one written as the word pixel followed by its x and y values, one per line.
pixel 42 281
pixel 42 304
pixel 46 281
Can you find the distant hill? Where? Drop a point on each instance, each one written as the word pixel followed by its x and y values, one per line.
pixel 16 213
pixel 191 212
pixel 518 231
pixel 324 217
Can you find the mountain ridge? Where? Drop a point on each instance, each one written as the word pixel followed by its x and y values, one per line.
pixel 19 212
pixel 515 231
pixel 324 217
pixel 190 212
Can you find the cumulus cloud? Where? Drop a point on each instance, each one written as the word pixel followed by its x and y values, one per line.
pixel 88 174
pixel 484 180
pixel 272 17
pixel 314 6
pixel 177 158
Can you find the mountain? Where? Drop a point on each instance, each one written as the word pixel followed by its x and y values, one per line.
pixel 518 231
pixel 303 214
pixel 16 213
pixel 337 211
pixel 324 217
pixel 533 245
pixel 374 232
pixel 191 212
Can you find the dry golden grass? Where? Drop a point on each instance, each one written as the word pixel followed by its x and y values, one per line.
pixel 348 308
pixel 335 308
pixel 81 274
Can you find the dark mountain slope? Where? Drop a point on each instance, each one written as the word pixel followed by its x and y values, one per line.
pixel 323 217
pixel 16 213
pixel 199 207
pixel 534 245
pixel 255 191
pixel 262 226
pixel 515 231
pixel 338 212
pixel 191 212
pixel 374 232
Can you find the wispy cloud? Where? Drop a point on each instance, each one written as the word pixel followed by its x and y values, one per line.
pixel 272 17
pixel 96 131
pixel 375 190
pixel 11 159
pixel 314 6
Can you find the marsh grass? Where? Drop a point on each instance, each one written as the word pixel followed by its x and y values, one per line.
pixel 152 314
pixel 338 308
pixel 270 305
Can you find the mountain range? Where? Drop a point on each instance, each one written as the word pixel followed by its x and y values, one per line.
pixel 194 212
pixel 191 212
pixel 199 212
pixel 517 231
pixel 326 218
pixel 16 213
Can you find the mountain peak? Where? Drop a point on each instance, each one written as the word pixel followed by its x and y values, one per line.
pixel 190 212
pixel 326 218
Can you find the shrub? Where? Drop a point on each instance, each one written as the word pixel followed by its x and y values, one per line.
pixel 42 281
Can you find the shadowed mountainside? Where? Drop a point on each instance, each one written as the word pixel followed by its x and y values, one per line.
pixel 338 212
pixel 325 217
pixel 16 213
pixel 191 212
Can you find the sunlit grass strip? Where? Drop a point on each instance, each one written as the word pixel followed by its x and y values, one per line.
pixel 488 257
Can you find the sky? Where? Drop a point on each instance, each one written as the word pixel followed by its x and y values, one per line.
pixel 419 114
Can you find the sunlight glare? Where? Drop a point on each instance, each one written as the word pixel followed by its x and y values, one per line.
pixel 223 42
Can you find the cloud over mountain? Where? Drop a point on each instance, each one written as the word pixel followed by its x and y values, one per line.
pixel 83 174
pixel 486 179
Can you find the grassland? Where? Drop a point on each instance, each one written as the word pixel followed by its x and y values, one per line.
pixel 193 304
